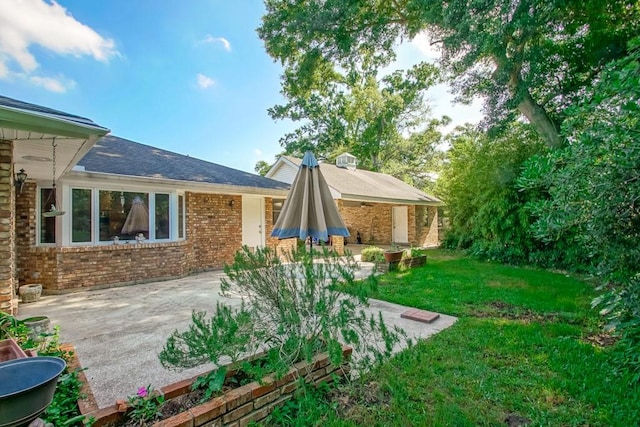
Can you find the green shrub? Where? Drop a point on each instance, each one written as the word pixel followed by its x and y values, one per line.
pixel 292 313
pixel 372 254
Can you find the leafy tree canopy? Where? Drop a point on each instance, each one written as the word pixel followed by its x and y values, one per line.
pixel 355 111
pixel 592 189
pixel 262 167
pixel 532 57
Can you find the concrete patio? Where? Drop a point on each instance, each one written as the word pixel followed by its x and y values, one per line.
pixel 119 332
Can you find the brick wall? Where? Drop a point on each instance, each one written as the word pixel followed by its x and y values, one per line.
pixel 26 264
pixel 238 407
pixel 427 226
pixel 214 229
pixel 213 234
pixel 8 301
pixel 374 221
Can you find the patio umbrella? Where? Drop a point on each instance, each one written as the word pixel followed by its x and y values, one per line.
pixel 309 210
pixel 138 218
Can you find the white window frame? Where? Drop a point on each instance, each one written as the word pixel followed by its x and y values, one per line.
pixel 64 223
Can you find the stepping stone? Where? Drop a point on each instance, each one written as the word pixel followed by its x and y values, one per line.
pixel 423 316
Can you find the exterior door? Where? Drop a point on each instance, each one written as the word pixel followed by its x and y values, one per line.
pixel 253 222
pixel 400 221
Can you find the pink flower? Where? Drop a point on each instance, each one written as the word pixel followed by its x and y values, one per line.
pixel 142 392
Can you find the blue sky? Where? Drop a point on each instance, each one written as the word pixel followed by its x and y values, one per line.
pixel 190 77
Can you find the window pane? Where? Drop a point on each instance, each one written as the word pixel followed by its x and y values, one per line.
pixel 162 216
pixel 124 215
pixel 277 208
pixel 47 225
pixel 180 217
pixel 80 215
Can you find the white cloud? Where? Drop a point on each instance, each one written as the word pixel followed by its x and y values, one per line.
pixel 429 52
pixel 24 23
pixel 258 152
pixel 211 39
pixel 204 82
pixel 59 84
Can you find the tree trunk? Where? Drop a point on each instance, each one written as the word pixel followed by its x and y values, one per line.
pixel 527 106
pixel 540 120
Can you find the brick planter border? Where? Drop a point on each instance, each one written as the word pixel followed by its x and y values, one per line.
pixel 238 407
pixel 416 261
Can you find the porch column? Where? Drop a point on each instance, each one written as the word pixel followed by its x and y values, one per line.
pixel 8 300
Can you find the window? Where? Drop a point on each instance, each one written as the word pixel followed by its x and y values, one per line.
pixel 181 216
pixel 107 216
pixel 162 216
pixel 277 208
pixel 47 224
pixel 81 217
pixel 124 215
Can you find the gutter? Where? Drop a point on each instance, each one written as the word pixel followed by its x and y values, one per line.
pixel 21 119
pixel 133 182
pixel 359 198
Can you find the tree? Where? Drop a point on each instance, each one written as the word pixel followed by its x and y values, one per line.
pixel 417 159
pixel 592 190
pixel 354 111
pixel 262 167
pixel 478 184
pixel 528 57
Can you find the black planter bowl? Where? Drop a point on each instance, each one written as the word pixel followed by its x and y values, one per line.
pixel 26 388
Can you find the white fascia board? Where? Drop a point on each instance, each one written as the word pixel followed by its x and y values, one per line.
pixel 358 198
pixel 106 180
pixel 48 123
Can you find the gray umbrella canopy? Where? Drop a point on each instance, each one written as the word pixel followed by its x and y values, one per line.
pixel 309 210
pixel 138 218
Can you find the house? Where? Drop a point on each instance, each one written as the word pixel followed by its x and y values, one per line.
pixel 379 208
pixel 133 212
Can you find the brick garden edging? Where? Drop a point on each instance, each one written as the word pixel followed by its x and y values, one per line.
pixel 412 262
pixel 237 407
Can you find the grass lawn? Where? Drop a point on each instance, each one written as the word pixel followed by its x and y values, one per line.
pixel 518 354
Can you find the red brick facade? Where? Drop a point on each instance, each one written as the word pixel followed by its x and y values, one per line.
pixel 213 235
pixel 374 222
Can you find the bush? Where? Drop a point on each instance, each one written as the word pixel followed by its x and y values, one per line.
pixel 593 188
pixel 292 313
pixel 487 209
pixel 372 254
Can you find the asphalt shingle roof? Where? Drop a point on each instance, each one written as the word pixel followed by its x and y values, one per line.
pixel 26 106
pixel 362 183
pixel 114 155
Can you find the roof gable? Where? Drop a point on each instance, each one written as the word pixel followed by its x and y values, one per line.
pixel 361 184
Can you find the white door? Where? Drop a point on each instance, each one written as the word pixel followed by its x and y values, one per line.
pixel 400 221
pixel 252 221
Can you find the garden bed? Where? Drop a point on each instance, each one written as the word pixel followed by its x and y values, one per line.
pixel 237 406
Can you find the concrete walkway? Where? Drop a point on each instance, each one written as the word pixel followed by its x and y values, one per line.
pixel 119 332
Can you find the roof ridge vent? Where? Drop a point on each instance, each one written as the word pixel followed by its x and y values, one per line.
pixel 347 161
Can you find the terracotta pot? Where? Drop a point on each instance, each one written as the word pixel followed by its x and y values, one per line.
pixel 10 350
pixel 393 256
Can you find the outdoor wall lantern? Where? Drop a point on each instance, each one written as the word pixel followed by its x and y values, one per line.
pixel 231 203
pixel 21 178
